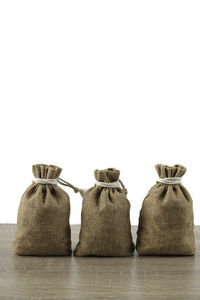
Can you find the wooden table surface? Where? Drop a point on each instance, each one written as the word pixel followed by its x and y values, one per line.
pixel 64 278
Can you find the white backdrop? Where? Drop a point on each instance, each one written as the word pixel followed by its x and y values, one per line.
pixel 97 84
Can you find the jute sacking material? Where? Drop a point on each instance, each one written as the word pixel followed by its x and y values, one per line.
pixel 166 224
pixel 105 218
pixel 43 216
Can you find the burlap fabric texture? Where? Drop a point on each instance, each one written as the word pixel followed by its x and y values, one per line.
pixel 166 219
pixel 105 219
pixel 43 216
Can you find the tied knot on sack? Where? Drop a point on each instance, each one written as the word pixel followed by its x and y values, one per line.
pixel 109 178
pixel 44 174
pixel 76 190
pixel 170 175
pixel 60 181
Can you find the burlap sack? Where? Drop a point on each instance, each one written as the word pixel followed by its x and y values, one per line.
pixel 43 217
pixel 166 219
pixel 105 219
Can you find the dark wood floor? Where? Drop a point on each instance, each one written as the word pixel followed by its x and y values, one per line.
pixel 64 278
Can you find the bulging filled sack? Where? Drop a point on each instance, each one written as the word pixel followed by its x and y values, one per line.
pixel 105 218
pixel 43 216
pixel 166 219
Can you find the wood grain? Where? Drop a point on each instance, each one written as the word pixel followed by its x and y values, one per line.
pixel 64 278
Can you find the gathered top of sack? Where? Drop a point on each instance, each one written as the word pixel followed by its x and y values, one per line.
pixel 107 175
pixel 46 171
pixel 109 178
pixel 168 172
pixel 49 174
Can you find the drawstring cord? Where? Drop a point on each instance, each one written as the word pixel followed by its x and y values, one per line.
pixel 123 186
pixel 113 184
pixel 76 190
pixel 55 181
